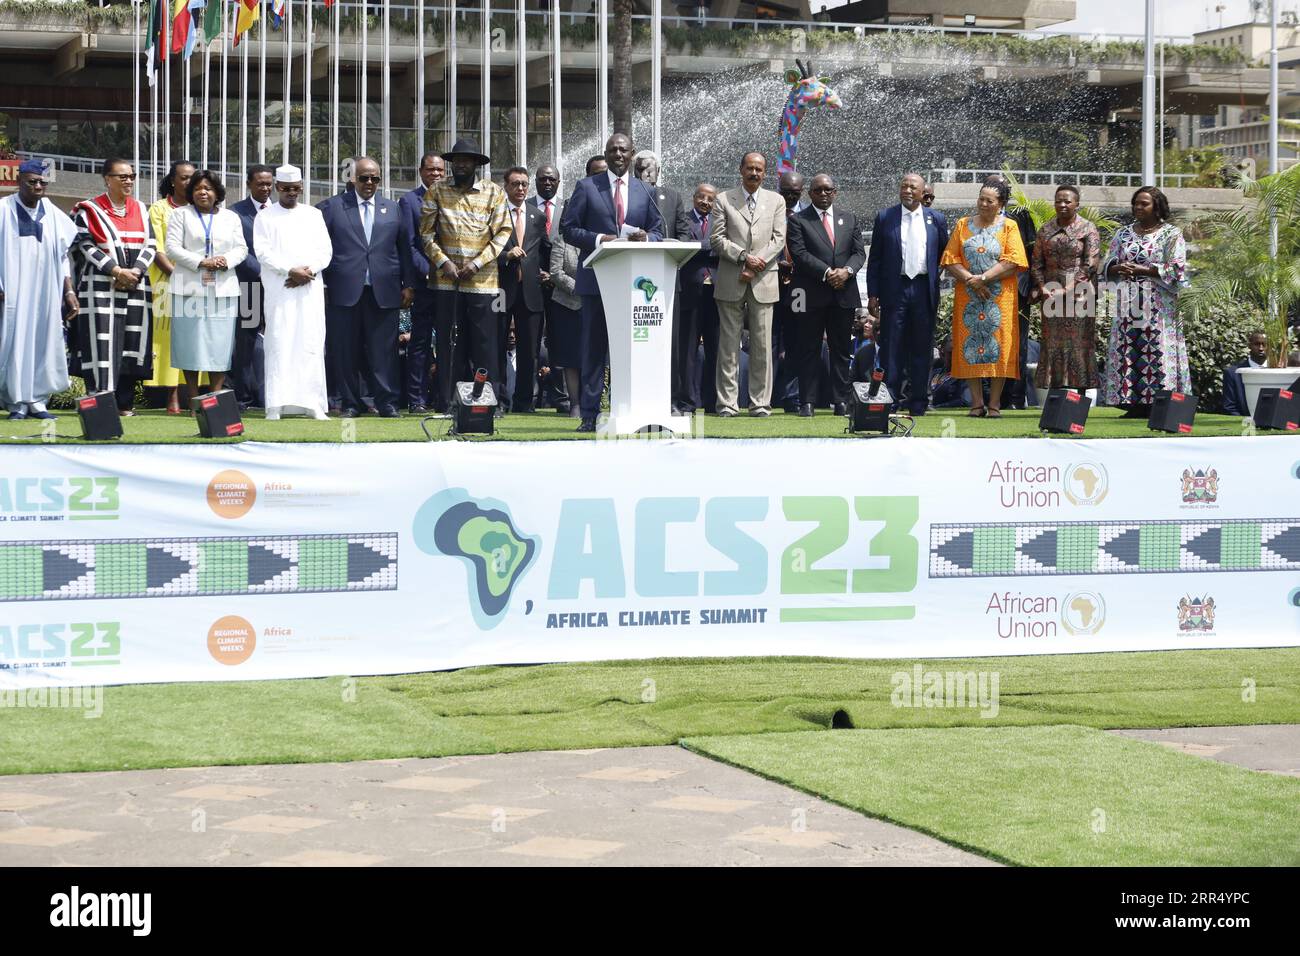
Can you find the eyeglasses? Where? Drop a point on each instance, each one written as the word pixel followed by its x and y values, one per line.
pixel 37 182
pixel 125 177
pixel 367 179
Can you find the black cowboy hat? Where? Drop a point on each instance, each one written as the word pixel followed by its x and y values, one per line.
pixel 467 147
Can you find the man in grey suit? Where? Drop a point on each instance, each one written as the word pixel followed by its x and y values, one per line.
pixel 747 232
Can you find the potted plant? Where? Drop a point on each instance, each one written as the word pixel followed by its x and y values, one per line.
pixel 1242 275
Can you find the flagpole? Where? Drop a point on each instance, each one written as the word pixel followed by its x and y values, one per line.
pixel 656 73
pixel 207 100
pixel 452 68
pixel 521 86
pixel 602 70
pixel 135 89
pixel 485 85
pixel 153 117
pixel 419 83
pixel 556 71
pixel 386 93
pixel 288 73
pixel 364 85
pixel 263 21
pixel 167 92
pixel 307 59
pixel 334 125
pixel 186 92
pixel 243 113
pixel 225 87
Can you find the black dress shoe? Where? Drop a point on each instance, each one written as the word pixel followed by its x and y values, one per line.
pixel 839 409
pixel 389 413
pixel 562 408
pixel 588 425
pixel 418 410
pixel 349 413
pixel 805 411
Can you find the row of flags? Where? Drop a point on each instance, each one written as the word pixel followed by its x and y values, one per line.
pixel 174 26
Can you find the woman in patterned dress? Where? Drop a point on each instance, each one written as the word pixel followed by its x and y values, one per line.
pixel 984 253
pixel 1067 255
pixel 113 252
pixel 1147 351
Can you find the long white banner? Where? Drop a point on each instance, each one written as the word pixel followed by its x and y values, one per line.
pixel 256 561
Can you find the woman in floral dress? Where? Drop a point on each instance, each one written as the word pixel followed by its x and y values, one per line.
pixel 1067 254
pixel 1147 350
pixel 984 254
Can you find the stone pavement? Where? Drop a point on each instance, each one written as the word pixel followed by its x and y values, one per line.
pixel 637 806
pixel 1270 748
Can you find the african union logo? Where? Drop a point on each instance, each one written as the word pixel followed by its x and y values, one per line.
pixel 1086 483
pixel 647 286
pixel 1200 487
pixel 1083 613
pixel 483 535
pixel 1196 614
pixel 1294 598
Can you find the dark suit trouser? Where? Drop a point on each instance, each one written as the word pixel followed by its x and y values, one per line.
pixel 907 340
pixel 595 353
pixel 836 324
pixel 528 341
pixel 247 376
pixel 477 334
pixel 786 351
pixel 706 319
pixel 419 350
pixel 686 352
pixel 363 332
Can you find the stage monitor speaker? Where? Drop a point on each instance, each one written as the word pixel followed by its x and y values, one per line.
pixel 99 418
pixel 473 406
pixel 217 414
pixel 1278 408
pixel 870 404
pixel 1064 412
pixel 1172 412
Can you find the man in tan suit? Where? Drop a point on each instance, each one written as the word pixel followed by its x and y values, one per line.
pixel 747 232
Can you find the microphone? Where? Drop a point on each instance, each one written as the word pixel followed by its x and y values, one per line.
pixel 480 379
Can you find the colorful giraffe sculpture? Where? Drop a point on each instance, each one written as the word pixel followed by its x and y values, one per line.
pixel 806 90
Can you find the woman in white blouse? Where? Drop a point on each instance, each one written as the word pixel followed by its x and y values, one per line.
pixel 205 243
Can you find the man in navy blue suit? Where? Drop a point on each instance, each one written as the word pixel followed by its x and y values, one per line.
pixel 825 243
pixel 423 314
pixel 247 375
pixel 699 318
pixel 519 267
pixel 367 281
pixel 604 207
pixel 1234 393
pixel 903 289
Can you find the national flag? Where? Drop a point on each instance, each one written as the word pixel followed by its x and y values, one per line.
pixel 211 20
pixel 155 50
pixel 277 13
pixel 181 40
pixel 248 13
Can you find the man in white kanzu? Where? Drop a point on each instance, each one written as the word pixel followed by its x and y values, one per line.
pixel 293 246
pixel 35 296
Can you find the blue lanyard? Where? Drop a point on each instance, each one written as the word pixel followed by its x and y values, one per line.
pixel 207 231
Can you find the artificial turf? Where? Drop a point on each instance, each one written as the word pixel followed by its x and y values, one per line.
pixel 626 703
pixel 157 427
pixel 1041 796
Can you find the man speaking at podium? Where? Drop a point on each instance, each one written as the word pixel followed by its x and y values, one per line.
pixel 604 207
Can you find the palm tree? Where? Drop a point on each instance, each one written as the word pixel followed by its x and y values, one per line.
pixel 1041 210
pixel 1241 275
pixel 621 93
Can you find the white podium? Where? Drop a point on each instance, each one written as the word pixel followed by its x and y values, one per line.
pixel 637 286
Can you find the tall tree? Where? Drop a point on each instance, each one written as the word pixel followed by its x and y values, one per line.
pixel 621 94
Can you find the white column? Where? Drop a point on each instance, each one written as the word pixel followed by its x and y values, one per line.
pixel 243 113
pixel 451 73
pixel 656 74
pixel 334 113
pixel 307 58
pixel 262 23
pixel 602 71
pixel 135 89
pixel 225 89
pixel 486 82
pixel 521 86
pixel 363 80
pixel 288 75
pixel 1149 100
pixel 557 71
pixel 386 161
pixel 419 82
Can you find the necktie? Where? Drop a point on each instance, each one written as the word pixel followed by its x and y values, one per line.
pixel 830 230
pixel 913 246
pixel 519 236
pixel 750 203
pixel 548 216
pixel 618 203
pixel 262 206
pixel 365 219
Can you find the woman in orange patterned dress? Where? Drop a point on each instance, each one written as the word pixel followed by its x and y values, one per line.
pixel 984 254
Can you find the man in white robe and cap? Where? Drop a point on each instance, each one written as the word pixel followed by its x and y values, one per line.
pixel 293 246
pixel 36 296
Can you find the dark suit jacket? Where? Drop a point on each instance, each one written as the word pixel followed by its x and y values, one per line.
pixel 673 211
pixel 411 203
pixel 557 210
pixel 885 266
pixel 698 266
pixel 387 256
pixel 531 286
pixel 1234 392
pixel 813 255
pixel 589 213
pixel 250 270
